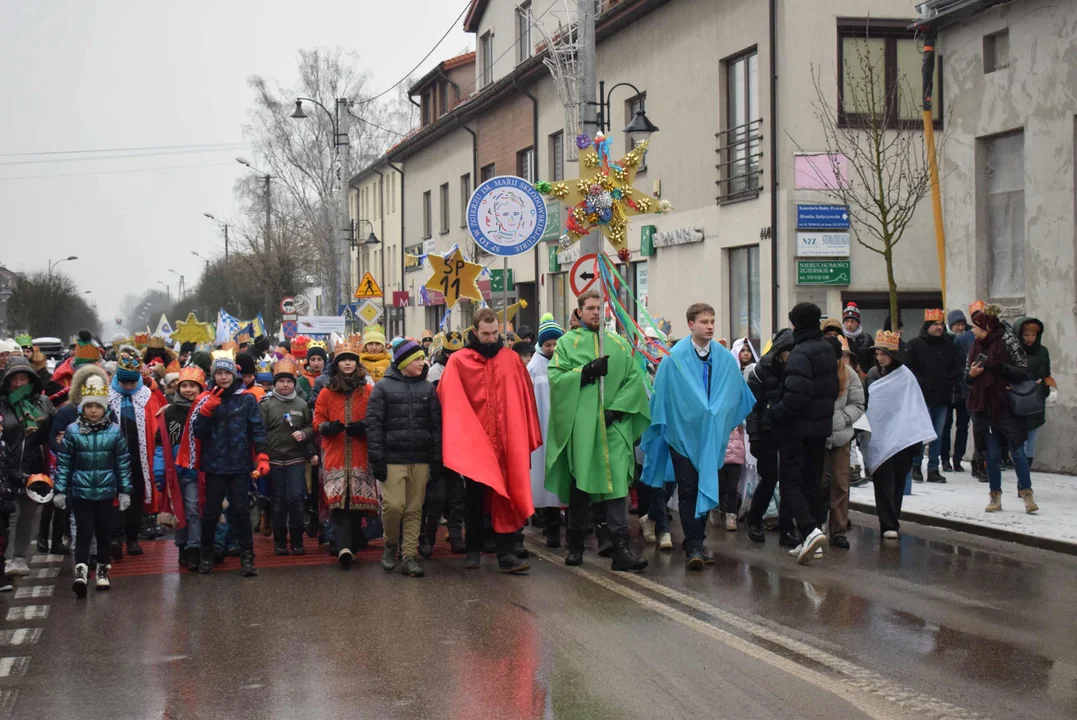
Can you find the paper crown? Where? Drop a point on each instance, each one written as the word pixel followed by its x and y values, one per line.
pixel 981 307
pixel 935 315
pixel 286 366
pixel 230 346
pixel 128 358
pixel 193 373
pixel 317 344
pixel 887 340
pixel 141 340
pixel 24 340
pixel 264 364
pixel 347 347
pixel 300 343
pixel 87 352
pixel 173 367
pixel 243 339
pixel 454 341
pixel 157 343
pixel 94 388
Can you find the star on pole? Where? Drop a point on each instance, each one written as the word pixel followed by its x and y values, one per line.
pixel 190 330
pixel 454 277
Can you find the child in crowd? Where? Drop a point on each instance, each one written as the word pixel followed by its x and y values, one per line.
pixel 191 382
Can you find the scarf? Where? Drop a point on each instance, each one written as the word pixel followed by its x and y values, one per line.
pixel 281 396
pixel 487 350
pixel 988 392
pixel 127 405
pixel 26 410
pixel 854 334
pixel 346 384
pixel 86 426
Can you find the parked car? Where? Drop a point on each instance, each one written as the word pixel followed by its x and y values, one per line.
pixel 51 347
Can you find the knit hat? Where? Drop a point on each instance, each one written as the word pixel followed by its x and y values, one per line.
pixel 851 311
pixel 805 316
pixel 224 360
pixel 202 359
pixel 984 316
pixel 86 350
pixel 94 391
pixel 128 364
pixel 393 344
pixel 526 333
pixel 374 334
pixel 172 372
pixel 245 364
pixel 548 329
pixel 317 351
pixel 832 324
pixel 286 367
pixel 407 352
pixel 955 316
pixel 188 347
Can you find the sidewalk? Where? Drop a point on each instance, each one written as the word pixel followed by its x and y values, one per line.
pixel 959 505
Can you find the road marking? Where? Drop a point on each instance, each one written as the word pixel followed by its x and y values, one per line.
pixel 874 694
pixel 21 636
pixel 28 612
pixel 13 666
pixel 44 573
pixel 34 591
pixel 7 702
pixel 46 559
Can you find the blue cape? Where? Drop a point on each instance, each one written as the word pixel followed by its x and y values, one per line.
pixel 696 426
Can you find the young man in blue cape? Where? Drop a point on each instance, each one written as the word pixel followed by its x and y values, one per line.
pixel 699 397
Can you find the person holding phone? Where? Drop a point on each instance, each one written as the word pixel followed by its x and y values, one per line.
pixel 995 363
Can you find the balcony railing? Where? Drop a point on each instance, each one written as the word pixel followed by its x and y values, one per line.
pixel 740 173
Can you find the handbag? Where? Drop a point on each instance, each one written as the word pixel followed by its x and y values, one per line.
pixel 1025 398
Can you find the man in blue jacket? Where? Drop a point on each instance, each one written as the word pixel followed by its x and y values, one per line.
pixel 229 426
pixel 963 339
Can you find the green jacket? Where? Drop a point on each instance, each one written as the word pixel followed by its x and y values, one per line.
pixel 93 465
pixel 281 419
pixel 1039 365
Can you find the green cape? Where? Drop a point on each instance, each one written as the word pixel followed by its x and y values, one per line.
pixel 578 443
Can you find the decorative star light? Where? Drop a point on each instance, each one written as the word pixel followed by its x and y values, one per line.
pixel 454 277
pixel 190 330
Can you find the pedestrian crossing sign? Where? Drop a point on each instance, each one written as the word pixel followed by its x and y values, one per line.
pixel 367 288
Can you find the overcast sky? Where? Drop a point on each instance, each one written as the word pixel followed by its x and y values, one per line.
pixel 101 74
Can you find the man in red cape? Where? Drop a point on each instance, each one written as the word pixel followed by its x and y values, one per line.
pixel 490 428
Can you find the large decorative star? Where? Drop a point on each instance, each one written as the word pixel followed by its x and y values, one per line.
pixel 190 330
pixel 603 197
pixel 454 277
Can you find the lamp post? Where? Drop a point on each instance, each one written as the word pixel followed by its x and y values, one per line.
pixel 266 177
pixel 340 121
pixel 371 242
pixel 168 291
pixel 180 287
pixel 225 227
pixel 203 259
pixel 639 128
pixel 54 264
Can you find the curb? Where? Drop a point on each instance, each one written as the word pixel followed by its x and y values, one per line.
pixel 1059 546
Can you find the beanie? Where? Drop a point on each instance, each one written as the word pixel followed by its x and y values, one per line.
pixel 86 350
pixel 851 311
pixel 203 360
pixel 317 352
pixel 223 360
pixel 955 316
pixel 548 329
pixel 94 391
pixel 805 316
pixel 405 353
pixel 187 347
pixel 374 334
pixel 245 364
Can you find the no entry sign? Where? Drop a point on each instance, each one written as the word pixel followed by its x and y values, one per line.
pixel 584 273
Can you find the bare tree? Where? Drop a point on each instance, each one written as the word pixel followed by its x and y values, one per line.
pixel 888 171
pixel 44 304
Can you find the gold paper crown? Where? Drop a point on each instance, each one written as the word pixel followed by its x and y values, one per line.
pixel 157 343
pixel 934 315
pixel 317 344
pixel 981 307
pixel 454 340
pixel 225 353
pixel 193 373
pixel 286 366
pixel 141 340
pixel 128 358
pixel 264 364
pixel 231 347
pixel 94 388
pixel 173 368
pixel 886 340
pixel 347 347
pixel 243 339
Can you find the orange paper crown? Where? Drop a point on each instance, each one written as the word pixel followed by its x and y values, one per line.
pixel 141 340
pixel 935 315
pixel 193 373
pixel 286 366
pixel 348 347
pixel 981 307
pixel 173 367
pixel 243 339
pixel 886 340
pixel 300 343
pixel 87 352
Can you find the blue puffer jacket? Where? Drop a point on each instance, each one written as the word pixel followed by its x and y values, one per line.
pixel 230 435
pixel 93 465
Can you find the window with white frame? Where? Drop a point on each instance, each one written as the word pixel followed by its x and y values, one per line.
pixel 426 215
pixel 444 198
pixel 525 164
pixel 1003 193
pixel 465 197
pixel 524 47
pixel 557 156
pixel 486 53
pixel 745 318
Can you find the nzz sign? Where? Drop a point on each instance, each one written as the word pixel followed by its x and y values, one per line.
pixel 823 244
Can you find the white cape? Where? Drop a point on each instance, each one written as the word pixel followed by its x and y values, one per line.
pixel 540 496
pixel 898 417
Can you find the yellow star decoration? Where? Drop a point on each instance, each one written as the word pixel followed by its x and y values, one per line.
pixel 602 176
pixel 190 330
pixel 454 277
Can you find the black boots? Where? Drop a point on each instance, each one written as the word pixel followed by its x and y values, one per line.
pixel 205 561
pixel 297 541
pixel 551 527
pixel 623 557
pixel 518 548
pixel 755 532
pixel 246 564
pixel 605 540
pixel 575 547
pixel 193 558
pixel 508 561
pixel 280 543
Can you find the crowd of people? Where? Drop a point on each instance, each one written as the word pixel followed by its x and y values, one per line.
pixel 484 432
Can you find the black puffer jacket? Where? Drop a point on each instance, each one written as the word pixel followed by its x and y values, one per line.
pixel 403 421
pixel 765 380
pixel 933 362
pixel 805 405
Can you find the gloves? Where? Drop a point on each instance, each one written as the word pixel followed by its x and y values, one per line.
pixel 613 416
pixel 60 501
pixel 380 472
pixel 356 429
pixel 262 465
pixel 212 402
pixel 332 428
pixel 125 502
pixel 594 370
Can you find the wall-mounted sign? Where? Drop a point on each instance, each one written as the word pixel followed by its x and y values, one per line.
pixel 646 240
pixel 411 257
pixel 822 217
pixel 823 244
pixel 554 223
pixel 681 236
pixel 823 272
pixel 554 266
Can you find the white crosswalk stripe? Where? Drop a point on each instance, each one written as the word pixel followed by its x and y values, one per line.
pixel 13 666
pixel 21 636
pixel 46 559
pixel 44 573
pixel 28 612
pixel 34 591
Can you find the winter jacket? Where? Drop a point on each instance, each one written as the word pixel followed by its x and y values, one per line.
pixel 27 450
pixel 734 451
pixel 232 436
pixel 94 465
pixel 345 470
pixel 962 348
pixel 765 380
pixel 933 362
pixel 1039 366
pixel 848 408
pixel 805 405
pixel 860 344
pixel 171 419
pixel 282 418
pixel 403 421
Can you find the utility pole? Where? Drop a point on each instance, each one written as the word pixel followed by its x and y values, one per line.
pixel 269 215
pixel 344 154
pixel 226 243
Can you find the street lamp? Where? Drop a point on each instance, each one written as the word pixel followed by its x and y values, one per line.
pixel 269 197
pixel 168 291
pixel 370 242
pixel 225 227
pixel 54 264
pixel 203 259
pixel 180 286
pixel 639 128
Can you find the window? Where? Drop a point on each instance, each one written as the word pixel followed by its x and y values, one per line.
pixel 434 315
pixel 1003 183
pixel 428 114
pixel 465 196
pixel 881 76
pixel 443 98
pixel 559 298
pixel 426 214
pixel 445 208
pixel 486 173
pixel 632 106
pixel 525 164
pixel 744 310
pixel 557 156
pixel 996 51
pixel 486 52
pixel 739 143
pixel 524 47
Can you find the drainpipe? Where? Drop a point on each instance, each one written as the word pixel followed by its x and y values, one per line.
pixel 534 172
pixel 381 223
pixel 775 282
pixel 404 324
pixel 474 155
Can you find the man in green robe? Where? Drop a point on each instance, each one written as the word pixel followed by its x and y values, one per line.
pixel 589 447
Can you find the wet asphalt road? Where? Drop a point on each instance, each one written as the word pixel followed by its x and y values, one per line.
pixel 942 625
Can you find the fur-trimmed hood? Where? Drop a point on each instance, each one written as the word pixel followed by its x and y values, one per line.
pixel 81 376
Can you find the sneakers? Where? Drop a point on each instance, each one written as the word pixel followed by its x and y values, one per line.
pixel 755 533
pixel 715 517
pixel 790 539
pixel 133 548
pixel 43 546
pixel 934 476
pixel 574 540
pixel 995 503
pixel 6 585
pixel 917 475
pixel 103 581
pixel 193 556
pixel 280 550
pixel 116 550
pixel 814 541
pixel 946 466
pixel 205 561
pixel 891 535
pixel 511 563
pixel 18 568
pixel 646 529
pixel 665 541
pixel 1030 504
pixel 82 574
pixel 472 561
pixel 411 568
pixel 731 522
pixel 457 545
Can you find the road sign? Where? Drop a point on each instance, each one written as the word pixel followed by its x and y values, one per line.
pixel 302 305
pixel 822 217
pixel 506 215
pixel 401 298
pixel 823 272
pixel 584 273
pixel 369 311
pixel 821 243
pixel 287 305
pixel 367 288
pixel 291 328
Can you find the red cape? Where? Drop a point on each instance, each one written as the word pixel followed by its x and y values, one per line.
pixel 489 428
